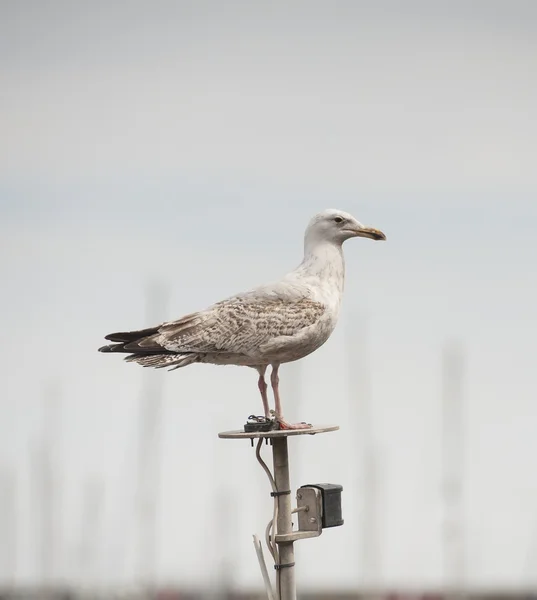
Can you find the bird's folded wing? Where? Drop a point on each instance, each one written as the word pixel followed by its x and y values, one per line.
pixel 238 325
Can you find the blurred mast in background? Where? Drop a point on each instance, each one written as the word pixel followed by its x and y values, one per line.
pixel 530 569
pixel 90 532
pixel 8 526
pixel 367 475
pixel 225 544
pixel 46 485
pixel 453 470
pixel 157 300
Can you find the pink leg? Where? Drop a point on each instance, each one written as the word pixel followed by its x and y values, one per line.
pixel 262 385
pixel 275 381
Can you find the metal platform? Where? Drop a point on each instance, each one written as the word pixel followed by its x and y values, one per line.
pixel 239 434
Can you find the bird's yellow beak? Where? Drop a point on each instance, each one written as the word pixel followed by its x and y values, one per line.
pixel 367 232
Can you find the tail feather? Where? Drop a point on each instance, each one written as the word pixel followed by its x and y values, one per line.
pixel 143 349
pixel 125 347
pixel 134 341
pixel 161 361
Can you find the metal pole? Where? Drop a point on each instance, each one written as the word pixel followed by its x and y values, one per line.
pixel 287 587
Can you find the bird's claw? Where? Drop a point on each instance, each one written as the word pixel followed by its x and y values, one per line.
pixel 291 426
pixel 283 424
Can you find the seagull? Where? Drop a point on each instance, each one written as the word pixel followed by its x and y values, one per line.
pixel 271 324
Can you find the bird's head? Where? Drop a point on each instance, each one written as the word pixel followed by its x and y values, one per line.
pixel 336 226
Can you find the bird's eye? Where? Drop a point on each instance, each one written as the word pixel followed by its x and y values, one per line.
pixel 338 219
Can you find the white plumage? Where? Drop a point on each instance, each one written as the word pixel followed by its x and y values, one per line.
pixel 269 325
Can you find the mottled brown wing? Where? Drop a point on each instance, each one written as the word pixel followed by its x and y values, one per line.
pixel 238 326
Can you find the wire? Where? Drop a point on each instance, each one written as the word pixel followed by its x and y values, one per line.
pixel 270 537
pixel 294 511
pixel 267 530
pixel 264 465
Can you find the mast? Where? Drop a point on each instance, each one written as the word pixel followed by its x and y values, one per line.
pixel 90 529
pixel 157 298
pixel 8 525
pixel 357 352
pixel 453 469
pixel 45 484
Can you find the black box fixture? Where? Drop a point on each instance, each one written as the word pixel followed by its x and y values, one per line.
pixel 331 499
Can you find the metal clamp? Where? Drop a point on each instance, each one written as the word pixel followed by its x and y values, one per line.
pixel 275 494
pixel 284 566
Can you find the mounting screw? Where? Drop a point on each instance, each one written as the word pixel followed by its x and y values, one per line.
pixel 299 496
pixel 313 520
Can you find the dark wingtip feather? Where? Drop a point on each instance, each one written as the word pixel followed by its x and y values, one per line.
pixel 114 337
pixel 131 336
pixel 112 348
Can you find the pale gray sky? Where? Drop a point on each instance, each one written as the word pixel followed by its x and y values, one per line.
pixel 191 142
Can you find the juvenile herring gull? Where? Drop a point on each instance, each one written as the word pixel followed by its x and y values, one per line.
pixel 269 325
